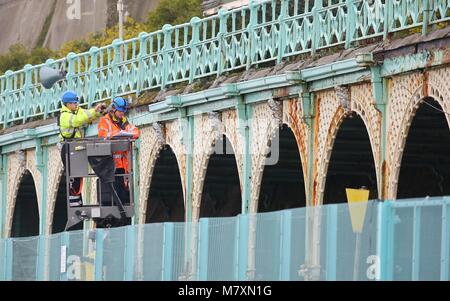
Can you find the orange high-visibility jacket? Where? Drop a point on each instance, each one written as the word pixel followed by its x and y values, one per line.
pixel 109 127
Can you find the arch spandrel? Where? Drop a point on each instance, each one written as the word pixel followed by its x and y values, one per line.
pixel 292 113
pixel 406 93
pixel 150 147
pixel 331 114
pixel 229 122
pixel 55 172
pixel 362 102
pixel 173 133
pixel 208 130
pixel 264 124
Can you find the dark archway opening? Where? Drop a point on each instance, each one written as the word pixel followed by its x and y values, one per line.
pixel 25 224
pixel 221 196
pixel 60 211
pixel 425 166
pixel 165 201
pixel 351 163
pixel 26 211
pixel 283 185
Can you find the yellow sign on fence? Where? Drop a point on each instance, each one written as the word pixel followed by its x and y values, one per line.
pixel 357 204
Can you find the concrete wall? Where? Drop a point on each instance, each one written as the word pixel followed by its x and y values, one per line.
pixel 21 21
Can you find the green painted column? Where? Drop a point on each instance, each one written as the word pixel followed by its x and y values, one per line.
pixel 380 94
pixel 311 225
pixel 3 191
pixel 41 165
pixel 136 181
pixel 244 115
pixel 308 110
pixel 4 243
pixel 188 139
pixel 188 129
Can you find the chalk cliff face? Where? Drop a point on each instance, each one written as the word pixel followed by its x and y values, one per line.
pixel 23 21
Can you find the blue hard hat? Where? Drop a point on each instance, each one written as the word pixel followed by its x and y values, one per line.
pixel 120 104
pixel 69 96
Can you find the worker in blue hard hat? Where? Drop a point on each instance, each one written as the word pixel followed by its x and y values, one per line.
pixel 70 121
pixel 116 124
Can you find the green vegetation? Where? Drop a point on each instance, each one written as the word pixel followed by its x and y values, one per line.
pixel 18 56
pixel 173 12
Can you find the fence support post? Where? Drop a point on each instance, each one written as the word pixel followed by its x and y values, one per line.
pixel 27 85
pixel 8 96
pixel 350 28
pixel 167 30
pixel 221 60
pixel 282 32
pixel 92 84
pixel 99 234
pixel 426 16
pixel 385 241
pixel 250 29
pixel 315 39
pixel 130 252
pixel 203 243
pixel 141 64
pixel 168 247
pixel 286 239
pixel 195 24
pixel 331 244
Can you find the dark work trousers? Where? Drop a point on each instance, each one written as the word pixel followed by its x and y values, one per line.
pixel 119 185
pixel 104 168
pixel 75 187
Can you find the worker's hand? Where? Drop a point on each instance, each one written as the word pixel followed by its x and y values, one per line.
pixel 101 107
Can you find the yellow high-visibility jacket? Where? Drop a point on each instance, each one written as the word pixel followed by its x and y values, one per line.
pixel 70 123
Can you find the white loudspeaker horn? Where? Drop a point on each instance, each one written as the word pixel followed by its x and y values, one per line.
pixel 50 76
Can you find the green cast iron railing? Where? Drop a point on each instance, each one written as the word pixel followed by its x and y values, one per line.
pixel 263 31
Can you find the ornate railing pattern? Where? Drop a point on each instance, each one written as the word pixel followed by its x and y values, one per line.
pixel 263 31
